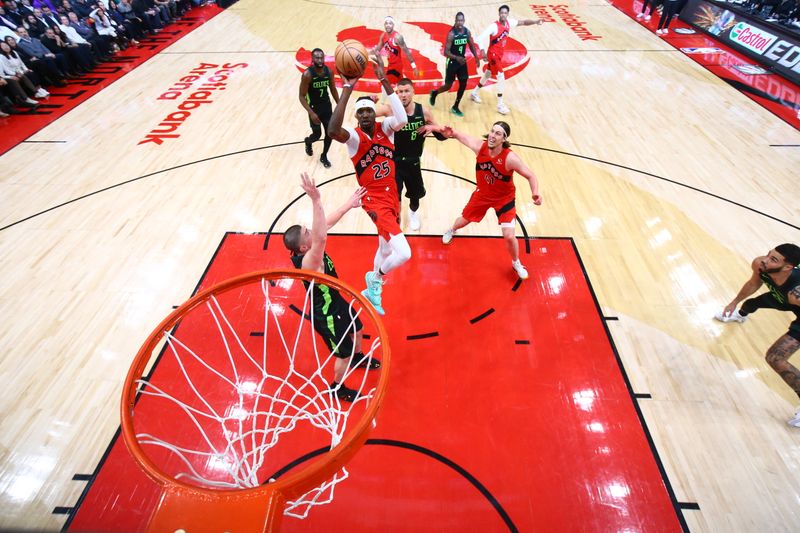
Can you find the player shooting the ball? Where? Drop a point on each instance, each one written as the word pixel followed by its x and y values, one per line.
pixel 371 148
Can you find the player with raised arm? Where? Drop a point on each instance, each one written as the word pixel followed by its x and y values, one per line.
pixel 779 271
pixel 390 44
pixel 494 175
pixel 315 83
pixel 408 148
pixel 371 149
pixel 496 35
pixel 458 38
pixel 330 313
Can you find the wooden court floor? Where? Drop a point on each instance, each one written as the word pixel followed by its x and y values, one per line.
pixel 668 180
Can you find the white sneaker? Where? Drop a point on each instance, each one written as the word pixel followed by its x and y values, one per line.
pixel 647 18
pixel 41 93
pixel 665 31
pixel 503 109
pixel 520 269
pixel 475 98
pixel 448 236
pixel 733 317
pixel 795 421
pixel 640 15
pixel 413 220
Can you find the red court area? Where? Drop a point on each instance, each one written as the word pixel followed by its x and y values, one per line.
pixel 506 407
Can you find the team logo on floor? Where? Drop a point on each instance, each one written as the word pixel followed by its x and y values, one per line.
pixel 515 58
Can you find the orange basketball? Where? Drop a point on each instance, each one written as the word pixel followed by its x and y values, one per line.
pixel 351 58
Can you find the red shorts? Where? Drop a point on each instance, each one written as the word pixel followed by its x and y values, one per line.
pixel 477 206
pixel 394 73
pixel 386 217
pixel 494 65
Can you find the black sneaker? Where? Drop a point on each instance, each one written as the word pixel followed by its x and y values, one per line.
pixel 309 150
pixel 324 161
pixel 344 393
pixel 360 360
pixel 432 99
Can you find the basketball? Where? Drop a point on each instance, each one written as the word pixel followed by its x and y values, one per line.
pixel 351 58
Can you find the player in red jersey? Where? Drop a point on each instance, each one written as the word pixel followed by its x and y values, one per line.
pixel 496 36
pixel 494 173
pixel 390 45
pixel 371 148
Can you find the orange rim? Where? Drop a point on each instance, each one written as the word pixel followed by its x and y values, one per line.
pixel 290 486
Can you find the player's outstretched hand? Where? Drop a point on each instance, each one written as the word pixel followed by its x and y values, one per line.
pixel 730 308
pixel 377 66
pixel 447 131
pixel 350 81
pixel 537 199
pixel 309 186
pixel 355 199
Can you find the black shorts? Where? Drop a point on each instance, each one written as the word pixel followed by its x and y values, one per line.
pixel 768 301
pixel 337 330
pixel 794 330
pixel 324 115
pixel 454 70
pixel 409 174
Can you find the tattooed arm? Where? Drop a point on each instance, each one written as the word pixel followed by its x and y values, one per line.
pixel 794 296
pixel 751 286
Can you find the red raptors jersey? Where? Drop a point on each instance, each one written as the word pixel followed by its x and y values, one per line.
pixel 392 52
pixel 495 181
pixel 498 40
pixel 374 164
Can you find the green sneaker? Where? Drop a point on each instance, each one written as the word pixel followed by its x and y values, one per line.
pixel 375 300
pixel 374 284
pixel 456 111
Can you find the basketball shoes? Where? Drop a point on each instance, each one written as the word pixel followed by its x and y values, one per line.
pixel 359 360
pixel 733 317
pixel 373 291
pixel 503 109
pixel 520 269
pixel 475 98
pixel 795 421
pixel 345 394
pixel 413 220
pixel 448 236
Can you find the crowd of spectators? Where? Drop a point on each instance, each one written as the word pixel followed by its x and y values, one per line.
pixel 782 12
pixel 45 43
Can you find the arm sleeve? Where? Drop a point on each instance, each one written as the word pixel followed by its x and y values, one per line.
pixel 398 118
pixel 353 142
pixel 483 39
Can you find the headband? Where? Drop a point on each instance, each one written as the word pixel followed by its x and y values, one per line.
pixel 387 19
pixel 366 102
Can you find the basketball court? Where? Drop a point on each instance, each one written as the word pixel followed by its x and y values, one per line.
pixel 597 395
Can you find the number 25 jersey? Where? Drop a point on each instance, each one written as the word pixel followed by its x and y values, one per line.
pixel 374 165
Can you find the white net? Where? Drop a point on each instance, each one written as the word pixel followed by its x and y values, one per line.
pixel 242 391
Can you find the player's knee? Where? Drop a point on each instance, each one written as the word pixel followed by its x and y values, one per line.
pixel 774 359
pixel 403 250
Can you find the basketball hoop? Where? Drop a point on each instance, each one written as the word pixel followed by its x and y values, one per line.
pixel 240 424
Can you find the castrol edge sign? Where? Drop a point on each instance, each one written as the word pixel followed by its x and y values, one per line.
pixel 751 37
